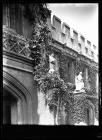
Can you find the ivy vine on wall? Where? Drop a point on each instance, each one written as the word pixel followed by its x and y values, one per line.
pixel 57 92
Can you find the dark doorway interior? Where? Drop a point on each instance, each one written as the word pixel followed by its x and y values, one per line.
pixel 9 108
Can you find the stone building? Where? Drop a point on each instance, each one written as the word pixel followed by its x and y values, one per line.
pixel 72 54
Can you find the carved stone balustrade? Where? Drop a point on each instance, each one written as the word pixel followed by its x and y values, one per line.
pixel 12 42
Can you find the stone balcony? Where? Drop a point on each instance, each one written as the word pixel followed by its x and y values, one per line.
pixel 15 43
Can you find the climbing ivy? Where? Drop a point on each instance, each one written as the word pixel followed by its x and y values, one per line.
pixel 57 92
pixel 39 42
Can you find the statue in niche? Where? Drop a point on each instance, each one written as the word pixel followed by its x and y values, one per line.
pixel 52 63
pixel 79 82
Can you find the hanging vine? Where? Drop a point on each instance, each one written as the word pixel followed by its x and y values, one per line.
pixel 38 44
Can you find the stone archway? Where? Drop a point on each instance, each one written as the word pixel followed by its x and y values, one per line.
pixel 16 97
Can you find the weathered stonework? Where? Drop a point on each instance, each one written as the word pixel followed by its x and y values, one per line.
pixel 68 48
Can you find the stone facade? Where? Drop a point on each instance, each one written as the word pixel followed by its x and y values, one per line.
pixel 70 56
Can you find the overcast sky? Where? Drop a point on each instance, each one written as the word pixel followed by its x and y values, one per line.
pixel 82 17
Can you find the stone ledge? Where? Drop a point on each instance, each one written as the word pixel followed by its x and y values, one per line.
pixel 18 68
pixel 17 57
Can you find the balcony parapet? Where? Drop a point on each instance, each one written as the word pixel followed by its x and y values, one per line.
pixel 15 43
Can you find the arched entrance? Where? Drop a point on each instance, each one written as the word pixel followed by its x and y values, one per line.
pixel 10 109
pixel 16 101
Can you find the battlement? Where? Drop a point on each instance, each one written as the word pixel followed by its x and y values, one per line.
pixel 63 33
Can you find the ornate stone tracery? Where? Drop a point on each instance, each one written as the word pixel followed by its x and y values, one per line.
pixel 15 44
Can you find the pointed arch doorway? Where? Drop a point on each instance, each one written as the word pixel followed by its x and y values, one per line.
pixel 16 101
pixel 10 108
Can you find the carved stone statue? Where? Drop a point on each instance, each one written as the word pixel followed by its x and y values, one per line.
pixel 52 63
pixel 79 82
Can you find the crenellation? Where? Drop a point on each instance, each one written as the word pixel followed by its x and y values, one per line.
pixel 63 33
pixel 82 40
pixel 79 39
pixel 85 42
pixel 71 32
pixel 88 43
pixel 75 35
pixel 57 23
pixel 63 37
pixel 66 29
pixel 69 42
pixel 89 53
pixel 53 31
pixel 72 41
pixel 79 48
pixel 92 54
pixel 86 51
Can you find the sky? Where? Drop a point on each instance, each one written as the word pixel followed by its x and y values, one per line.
pixel 82 17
